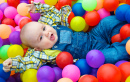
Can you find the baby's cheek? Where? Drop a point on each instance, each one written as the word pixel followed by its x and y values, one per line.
pixel 48 45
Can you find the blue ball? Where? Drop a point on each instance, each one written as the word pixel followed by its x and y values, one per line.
pixel 83 66
pixel 4 75
pixel 2 80
pixel 78 10
pixel 121 11
pixel 127 16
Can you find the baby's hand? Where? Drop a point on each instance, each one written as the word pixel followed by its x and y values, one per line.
pixel 31 7
pixel 7 64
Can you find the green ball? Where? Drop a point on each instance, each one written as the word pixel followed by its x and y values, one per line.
pixel 89 5
pixel 3 52
pixel 77 23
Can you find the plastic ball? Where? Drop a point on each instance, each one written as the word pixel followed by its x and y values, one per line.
pixel 103 13
pixel 78 10
pixel 110 5
pixel 4 75
pixel 121 11
pixel 128 79
pixel 72 72
pixel 128 47
pixel 30 1
pixel 86 28
pixel 17 77
pixel 17 28
pixel 57 6
pixel 92 18
pixel 3 52
pixel 88 78
pixel 44 73
pixel 125 31
pixel 12 73
pixel 23 9
pixel 44 80
pixel 109 73
pixel 3 6
pixel 63 59
pixel 95 58
pixel 35 16
pixel 14 38
pixel 120 62
pixel 15 50
pixel 70 17
pixel 127 16
pixel 24 21
pixel 2 80
pixel 94 72
pixel 10 79
pixel 64 80
pixel 64 2
pixel 41 1
pixel 99 4
pixel 24 2
pixel 116 38
pixel 30 75
pixel 125 71
pixel 1 14
pixel 58 73
pixel 77 23
pixel 128 2
pixel 1 42
pixel 6 42
pixel 16 18
pixel 13 3
pixel 10 12
pixel 8 21
pixel 1 61
pixel 51 2
pixel 89 5
pixel 12 28
pixel 4 31
pixel 83 66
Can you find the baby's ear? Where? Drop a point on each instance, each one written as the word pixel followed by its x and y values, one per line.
pixel 37 49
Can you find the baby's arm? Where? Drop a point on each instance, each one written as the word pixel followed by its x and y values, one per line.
pixel 7 64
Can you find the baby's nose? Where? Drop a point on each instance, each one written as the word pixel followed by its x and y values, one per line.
pixel 46 34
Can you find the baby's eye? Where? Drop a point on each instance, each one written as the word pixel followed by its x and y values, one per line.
pixel 44 28
pixel 41 38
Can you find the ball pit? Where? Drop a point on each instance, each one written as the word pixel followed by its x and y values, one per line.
pixel 3 52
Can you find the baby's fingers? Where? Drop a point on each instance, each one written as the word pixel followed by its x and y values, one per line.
pixel 29 5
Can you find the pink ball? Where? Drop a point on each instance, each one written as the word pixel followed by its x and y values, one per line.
pixel 17 28
pixel 16 18
pixel 42 1
pixel 10 12
pixel 12 28
pixel 103 13
pixel 1 14
pixel 72 72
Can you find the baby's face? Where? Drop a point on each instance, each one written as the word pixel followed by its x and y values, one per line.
pixel 42 36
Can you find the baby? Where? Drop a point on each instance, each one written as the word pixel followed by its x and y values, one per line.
pixel 41 37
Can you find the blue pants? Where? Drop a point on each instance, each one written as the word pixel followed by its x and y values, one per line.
pixel 100 38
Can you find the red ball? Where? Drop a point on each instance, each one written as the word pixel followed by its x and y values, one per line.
pixel 64 2
pixel 125 31
pixel 125 70
pixel 109 73
pixel 24 21
pixel 25 50
pixel 8 21
pixel 110 5
pixel 30 1
pixel 116 38
pixel 13 3
pixel 70 17
pixel 128 2
pixel 92 18
pixel 63 59
pixel 88 78
pixel 57 6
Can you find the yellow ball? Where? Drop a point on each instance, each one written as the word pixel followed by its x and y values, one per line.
pixel 15 50
pixel 1 61
pixel 50 2
pixel 77 23
pixel 128 79
pixel 30 76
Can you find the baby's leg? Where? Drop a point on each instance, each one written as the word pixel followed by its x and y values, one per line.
pixel 116 52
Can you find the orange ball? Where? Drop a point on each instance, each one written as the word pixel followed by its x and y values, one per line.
pixel 4 31
pixel 110 5
pixel 116 38
pixel 128 2
pixel 88 78
pixel 22 9
pixel 109 73
pixel 12 73
pixel 128 47
pixel 24 21
pixel 92 18
pixel 125 70
pixel 99 4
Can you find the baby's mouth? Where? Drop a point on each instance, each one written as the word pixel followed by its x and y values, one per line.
pixel 52 37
